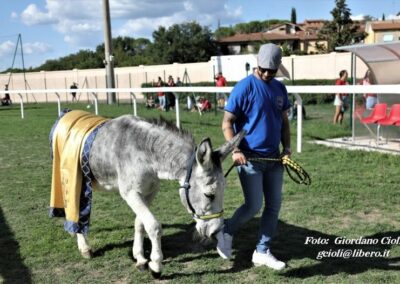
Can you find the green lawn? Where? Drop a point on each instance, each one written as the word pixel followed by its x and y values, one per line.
pixel 353 194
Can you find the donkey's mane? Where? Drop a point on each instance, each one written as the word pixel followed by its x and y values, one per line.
pixel 168 125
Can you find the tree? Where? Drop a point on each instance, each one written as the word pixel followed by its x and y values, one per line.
pixel 383 17
pixel 83 59
pixel 222 32
pixel 369 18
pixel 293 16
pixel 187 42
pixel 250 27
pixel 341 30
pixel 128 51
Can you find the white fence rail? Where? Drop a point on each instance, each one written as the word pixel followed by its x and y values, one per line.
pixel 295 90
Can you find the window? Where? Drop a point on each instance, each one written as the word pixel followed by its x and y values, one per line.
pixel 387 37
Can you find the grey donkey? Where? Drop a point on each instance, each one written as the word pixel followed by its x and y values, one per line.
pixel 132 155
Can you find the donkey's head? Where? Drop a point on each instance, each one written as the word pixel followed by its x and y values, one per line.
pixel 203 191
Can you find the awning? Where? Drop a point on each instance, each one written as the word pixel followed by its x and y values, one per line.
pixel 383 59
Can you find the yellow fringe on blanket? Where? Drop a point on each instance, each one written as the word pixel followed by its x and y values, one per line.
pixel 68 140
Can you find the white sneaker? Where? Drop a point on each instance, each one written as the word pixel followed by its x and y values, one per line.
pixel 267 259
pixel 224 245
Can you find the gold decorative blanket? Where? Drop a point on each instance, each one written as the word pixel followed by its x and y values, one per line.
pixel 68 139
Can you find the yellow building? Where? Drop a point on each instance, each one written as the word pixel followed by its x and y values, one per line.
pixel 382 31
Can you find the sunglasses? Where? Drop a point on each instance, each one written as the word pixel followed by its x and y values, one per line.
pixel 270 71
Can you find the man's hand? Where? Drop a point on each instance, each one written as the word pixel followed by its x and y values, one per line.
pixel 238 158
pixel 287 152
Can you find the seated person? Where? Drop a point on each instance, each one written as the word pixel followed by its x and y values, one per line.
pixel 150 102
pixel 6 101
pixel 293 111
pixel 204 104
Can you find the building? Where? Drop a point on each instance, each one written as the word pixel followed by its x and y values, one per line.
pixel 382 31
pixel 302 38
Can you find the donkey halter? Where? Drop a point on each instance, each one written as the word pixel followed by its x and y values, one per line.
pixel 186 186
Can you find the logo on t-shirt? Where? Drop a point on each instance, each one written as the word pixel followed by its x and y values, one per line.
pixel 279 102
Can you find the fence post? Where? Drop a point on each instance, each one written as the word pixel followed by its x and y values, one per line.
pixel 178 122
pixel 96 110
pixel 299 121
pixel 22 105
pixel 134 104
pixel 58 103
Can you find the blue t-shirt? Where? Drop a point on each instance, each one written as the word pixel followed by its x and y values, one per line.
pixel 258 108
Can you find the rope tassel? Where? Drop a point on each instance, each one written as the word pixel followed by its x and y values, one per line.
pixel 293 169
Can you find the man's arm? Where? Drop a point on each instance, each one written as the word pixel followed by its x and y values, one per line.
pixel 227 125
pixel 227 129
pixel 285 134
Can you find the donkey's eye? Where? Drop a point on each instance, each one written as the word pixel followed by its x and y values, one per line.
pixel 210 196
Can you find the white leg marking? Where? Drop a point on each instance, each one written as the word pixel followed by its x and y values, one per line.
pixel 151 225
pixel 83 246
pixel 137 250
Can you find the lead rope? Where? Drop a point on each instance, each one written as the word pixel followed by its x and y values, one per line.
pixel 291 167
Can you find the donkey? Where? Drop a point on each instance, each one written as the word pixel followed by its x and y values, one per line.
pixel 132 155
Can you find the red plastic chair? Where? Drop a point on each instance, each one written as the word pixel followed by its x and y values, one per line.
pixel 378 113
pixel 393 117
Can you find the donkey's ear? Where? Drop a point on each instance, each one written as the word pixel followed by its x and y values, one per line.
pixel 228 146
pixel 204 154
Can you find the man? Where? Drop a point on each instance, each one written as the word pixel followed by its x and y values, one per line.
pixel 259 104
pixel 74 86
pixel 220 81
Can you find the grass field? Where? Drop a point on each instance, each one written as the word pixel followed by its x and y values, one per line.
pixel 353 194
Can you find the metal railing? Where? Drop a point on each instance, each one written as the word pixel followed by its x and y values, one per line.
pixel 295 90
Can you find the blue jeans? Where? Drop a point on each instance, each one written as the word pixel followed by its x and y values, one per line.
pixel 371 102
pixel 162 102
pixel 259 179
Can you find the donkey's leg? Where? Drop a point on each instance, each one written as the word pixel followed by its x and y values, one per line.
pixel 153 228
pixel 83 246
pixel 137 249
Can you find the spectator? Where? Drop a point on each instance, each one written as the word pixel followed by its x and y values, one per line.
pixel 189 103
pixel 178 82
pixel 74 86
pixel 220 81
pixel 161 95
pixel 7 99
pixel 150 101
pixel 293 111
pixel 341 100
pixel 370 99
pixel 170 97
pixel 204 104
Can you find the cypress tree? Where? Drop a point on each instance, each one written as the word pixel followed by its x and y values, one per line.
pixel 293 16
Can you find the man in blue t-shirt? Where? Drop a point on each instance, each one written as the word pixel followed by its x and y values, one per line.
pixel 258 104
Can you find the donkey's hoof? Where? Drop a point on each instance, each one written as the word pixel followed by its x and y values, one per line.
pixel 87 254
pixel 155 269
pixel 156 275
pixel 141 266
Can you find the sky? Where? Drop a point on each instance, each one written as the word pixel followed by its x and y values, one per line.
pixel 51 29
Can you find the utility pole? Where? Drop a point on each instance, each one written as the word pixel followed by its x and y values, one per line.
pixel 109 58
